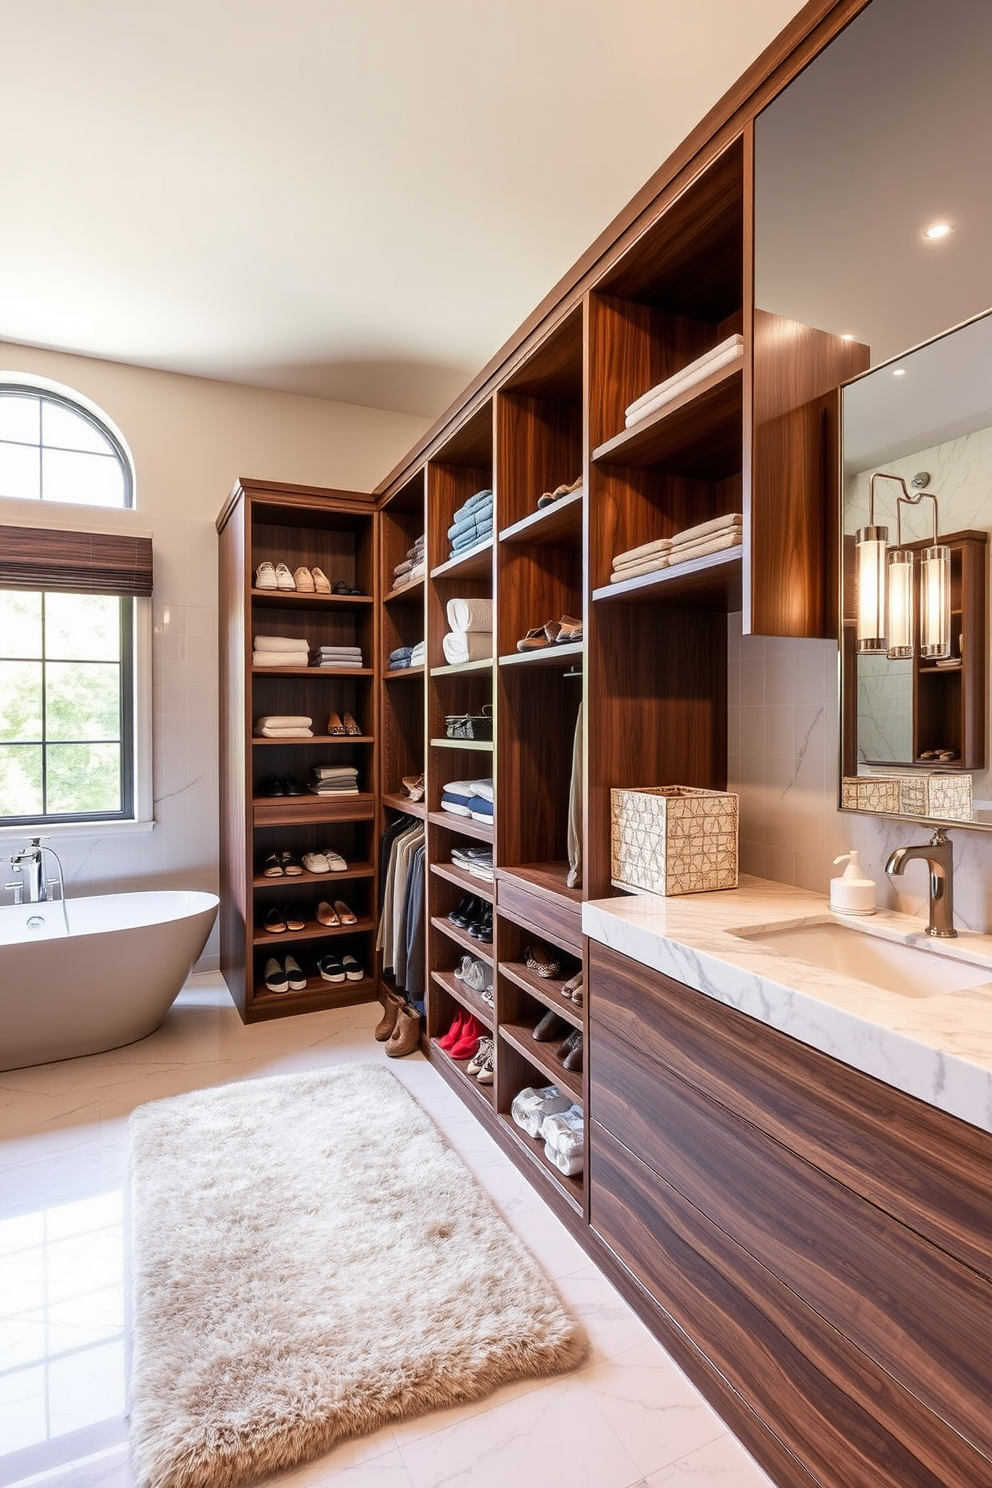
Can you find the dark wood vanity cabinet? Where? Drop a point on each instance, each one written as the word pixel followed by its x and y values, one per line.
pixel 818 1245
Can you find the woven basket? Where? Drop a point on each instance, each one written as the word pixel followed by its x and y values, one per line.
pixel 674 839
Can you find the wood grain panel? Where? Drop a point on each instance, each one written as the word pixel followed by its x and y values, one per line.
pixel 846 1420
pixel 535 732
pixel 561 925
pixel 538 448
pixel 925 1319
pixel 928 1170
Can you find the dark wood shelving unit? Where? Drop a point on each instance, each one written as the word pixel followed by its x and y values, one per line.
pixel 551 526
pixel 468 998
pixel 697 435
pixel 465 881
pixel 482 949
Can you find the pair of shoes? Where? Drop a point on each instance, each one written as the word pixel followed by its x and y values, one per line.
pixel 549 1028
pixel 570 1052
pixel 386 1025
pixel 336 727
pixel 467 911
pixel 462 1039
pixel 550 497
pixel 405 1037
pixel 477 975
pixel 538 638
pixel 286 917
pixel 569 629
pixel 572 989
pixel 336 914
pixel 304 580
pixel 482 928
pixel 324 862
pixel 342 588
pixel 284 976
pixel 540 960
pixel 280 785
pixel 414 786
pixel 276 864
pixel 483 1062
pixel 336 968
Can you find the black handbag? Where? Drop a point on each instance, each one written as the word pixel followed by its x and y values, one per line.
pixel 470 725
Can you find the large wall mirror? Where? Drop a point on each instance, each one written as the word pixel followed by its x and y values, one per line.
pixel 873 222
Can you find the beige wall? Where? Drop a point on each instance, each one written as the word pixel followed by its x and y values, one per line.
pixel 190 439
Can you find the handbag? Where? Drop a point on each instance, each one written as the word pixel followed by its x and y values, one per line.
pixel 470 725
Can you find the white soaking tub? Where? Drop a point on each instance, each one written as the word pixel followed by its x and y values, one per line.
pixel 110 981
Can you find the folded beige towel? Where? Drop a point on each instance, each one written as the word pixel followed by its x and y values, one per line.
pixel 717 544
pixel 635 570
pixel 284 733
pixel 284 721
pixel 708 529
pixel 470 615
pixel 459 647
pixel 658 549
pixel 279 658
pixel 280 643
pixel 664 392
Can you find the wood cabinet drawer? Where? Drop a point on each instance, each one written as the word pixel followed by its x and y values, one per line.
pixel 920 1165
pixel 561 925
pixel 842 1415
pixel 920 1315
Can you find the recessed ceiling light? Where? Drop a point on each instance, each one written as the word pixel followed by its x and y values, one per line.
pixel 847 338
pixel 938 230
pixel 899 372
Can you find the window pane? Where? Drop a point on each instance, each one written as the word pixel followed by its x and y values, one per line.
pixel 82 700
pixel 19 417
pixel 83 777
pixel 20 700
pixel 91 480
pixel 20 780
pixel 20 623
pixel 69 430
pixel 20 472
pixel 83 627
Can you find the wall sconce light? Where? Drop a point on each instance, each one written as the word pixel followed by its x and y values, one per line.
pixel 887 582
pixel 871 543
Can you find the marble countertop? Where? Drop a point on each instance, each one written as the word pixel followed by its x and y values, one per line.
pixel 937 1048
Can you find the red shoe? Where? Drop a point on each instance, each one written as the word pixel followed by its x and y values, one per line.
pixel 456 1032
pixel 468 1043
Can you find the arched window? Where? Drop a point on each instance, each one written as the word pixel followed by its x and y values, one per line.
pixel 54 447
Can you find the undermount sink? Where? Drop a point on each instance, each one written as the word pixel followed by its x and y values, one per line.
pixel 857 951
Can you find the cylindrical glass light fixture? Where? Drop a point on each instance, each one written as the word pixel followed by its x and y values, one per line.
pixel 870 548
pixel 900 605
pixel 935 601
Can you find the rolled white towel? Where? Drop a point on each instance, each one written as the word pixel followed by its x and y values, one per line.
pixel 567 1165
pixel 459 647
pixel 281 643
pixel 707 529
pixel 419 654
pixel 470 615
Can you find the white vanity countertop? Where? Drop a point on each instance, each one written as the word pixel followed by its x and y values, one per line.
pixel 938 1049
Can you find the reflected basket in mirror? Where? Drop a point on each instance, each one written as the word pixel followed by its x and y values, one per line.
pixel 928 793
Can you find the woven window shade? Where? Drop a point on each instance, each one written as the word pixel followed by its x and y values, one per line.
pixel 75 562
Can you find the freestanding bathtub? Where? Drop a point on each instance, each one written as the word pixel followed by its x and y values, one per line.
pixel 110 981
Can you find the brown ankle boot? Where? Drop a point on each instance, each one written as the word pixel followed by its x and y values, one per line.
pixel 387 1023
pixel 405 1037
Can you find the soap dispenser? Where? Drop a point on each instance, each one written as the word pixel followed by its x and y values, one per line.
pixel 852 893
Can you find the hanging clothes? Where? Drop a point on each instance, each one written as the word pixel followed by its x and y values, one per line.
pixel 574 879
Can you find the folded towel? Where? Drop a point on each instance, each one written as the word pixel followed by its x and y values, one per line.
pixel 457 805
pixel 401 652
pixel 419 654
pixel 459 647
pixel 481 810
pixel 284 733
pixel 338 650
pixel 483 788
pixel 340 663
pixel 417 571
pixel 570 1166
pixel 281 643
pixel 638 570
pixel 472 538
pixel 279 658
pixel 403 568
pixel 334 772
pixel 319 790
pixel 697 371
pixel 708 529
pixel 481 517
pixel 656 549
pixel 470 615
pixel 284 720
pixel 474 503
pixel 717 544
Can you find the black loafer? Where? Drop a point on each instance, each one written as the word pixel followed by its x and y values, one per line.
pixel 272 786
pixel 465 911
pixel 290 787
pixel 482 928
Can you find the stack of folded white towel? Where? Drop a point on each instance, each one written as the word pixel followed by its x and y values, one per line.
pixel 419 654
pixel 563 1135
pixel 471 634
pixel 648 403
pixel 334 780
pixel 531 1107
pixel 411 567
pixel 338 656
pixel 280 651
pixel 284 726
pixel 667 552
pixel 472 798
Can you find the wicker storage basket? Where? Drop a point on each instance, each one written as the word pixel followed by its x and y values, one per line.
pixel 674 839
pixel 927 793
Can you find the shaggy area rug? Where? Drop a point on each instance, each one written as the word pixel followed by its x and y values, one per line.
pixel 311 1260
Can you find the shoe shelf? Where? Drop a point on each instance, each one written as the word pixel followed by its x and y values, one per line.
pixel 257 671
pixel 546 990
pixel 547 880
pixel 710 583
pixel 324 880
pixel 321 739
pixel 551 526
pixel 469 999
pixel 481 948
pixel 698 435
pixel 547 656
pixel 467 882
pixel 484 665
pixel 397 802
pixel 533 1150
pixel 412 593
pixel 278 599
pixel 317 995
pixel 483 745
pixel 459 1067
pixel 276 811
pixel 477 563
pixel 277 938
pixel 542 1056
pixel 462 824
pixel 403 674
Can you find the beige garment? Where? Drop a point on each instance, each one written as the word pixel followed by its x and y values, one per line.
pixel 711 528
pixel 731 343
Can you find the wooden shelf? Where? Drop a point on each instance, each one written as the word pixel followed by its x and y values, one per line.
pixel 318 996
pixel 465 880
pixel 263 937
pixel 299 811
pixel 485 745
pixel 287 880
pixel 401 674
pixel 477 563
pixel 469 999
pixel 277 598
pixel 546 990
pixel 555 526
pixel 397 802
pixel 412 591
pixel 547 656
pixel 482 949
pixel 533 1148
pixel 321 739
pixel 485 664
pixel 463 824
pixel 710 583
pixel 541 1056
pixel 697 435
pixel 547 880
pixel 460 1067
pixel 309 671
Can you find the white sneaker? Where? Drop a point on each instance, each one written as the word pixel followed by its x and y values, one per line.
pixel 303 580
pixel 284 579
pixel 315 862
pixel 483 1053
pixel 335 862
pixel 265 577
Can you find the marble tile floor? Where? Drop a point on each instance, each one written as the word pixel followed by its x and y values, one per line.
pixel 628 1419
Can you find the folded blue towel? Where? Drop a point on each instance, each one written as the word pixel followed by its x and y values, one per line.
pixel 480 808
pixel 474 519
pixel 472 538
pixel 402 653
pixel 481 498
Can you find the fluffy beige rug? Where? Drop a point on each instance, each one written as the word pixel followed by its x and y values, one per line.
pixel 311 1260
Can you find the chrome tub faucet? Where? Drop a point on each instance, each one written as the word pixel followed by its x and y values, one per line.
pixel 938 856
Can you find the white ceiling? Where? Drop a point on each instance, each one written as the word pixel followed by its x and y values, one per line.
pixel 356 199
